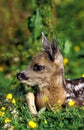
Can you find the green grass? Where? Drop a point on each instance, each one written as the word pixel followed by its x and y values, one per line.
pixel 69 118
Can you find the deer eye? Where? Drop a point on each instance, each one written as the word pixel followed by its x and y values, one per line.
pixel 38 67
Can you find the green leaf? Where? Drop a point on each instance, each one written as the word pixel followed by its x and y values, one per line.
pixel 35 25
pixel 67 47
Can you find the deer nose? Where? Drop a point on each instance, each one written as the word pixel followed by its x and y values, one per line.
pixel 22 76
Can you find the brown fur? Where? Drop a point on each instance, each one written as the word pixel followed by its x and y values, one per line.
pixel 46 70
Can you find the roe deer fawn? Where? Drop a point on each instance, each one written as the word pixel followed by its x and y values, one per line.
pixel 46 70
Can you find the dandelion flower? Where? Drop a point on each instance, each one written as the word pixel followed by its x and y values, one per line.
pixel 32 124
pixel 9 96
pixel 13 101
pixel 76 48
pixel 66 61
pixel 2 113
pixel 59 101
pixel 83 75
pixel 45 99
pixel 3 108
pixel 7 120
pixel 1 69
pixel 71 103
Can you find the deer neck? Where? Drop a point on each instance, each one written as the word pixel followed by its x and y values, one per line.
pixel 56 88
pixel 51 92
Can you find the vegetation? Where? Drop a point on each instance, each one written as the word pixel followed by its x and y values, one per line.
pixel 21 25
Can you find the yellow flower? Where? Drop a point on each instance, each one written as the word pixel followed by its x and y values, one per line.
pixel 71 103
pixel 58 101
pixel 9 96
pixel 1 69
pixel 1 113
pixel 3 108
pixel 45 99
pixel 13 101
pixel 66 61
pixel 7 120
pixel 32 124
pixel 76 48
pixel 83 75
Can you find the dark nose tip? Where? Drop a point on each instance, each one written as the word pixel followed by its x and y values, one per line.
pixel 22 76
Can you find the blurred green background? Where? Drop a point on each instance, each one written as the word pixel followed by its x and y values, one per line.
pixel 21 24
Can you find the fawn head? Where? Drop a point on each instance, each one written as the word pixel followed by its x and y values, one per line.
pixel 43 65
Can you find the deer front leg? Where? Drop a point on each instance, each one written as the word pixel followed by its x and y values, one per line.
pixel 30 98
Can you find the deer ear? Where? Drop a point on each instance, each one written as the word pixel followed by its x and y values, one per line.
pixel 51 49
pixel 55 48
pixel 45 43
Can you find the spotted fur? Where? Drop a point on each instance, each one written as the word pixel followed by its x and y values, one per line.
pixel 75 89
